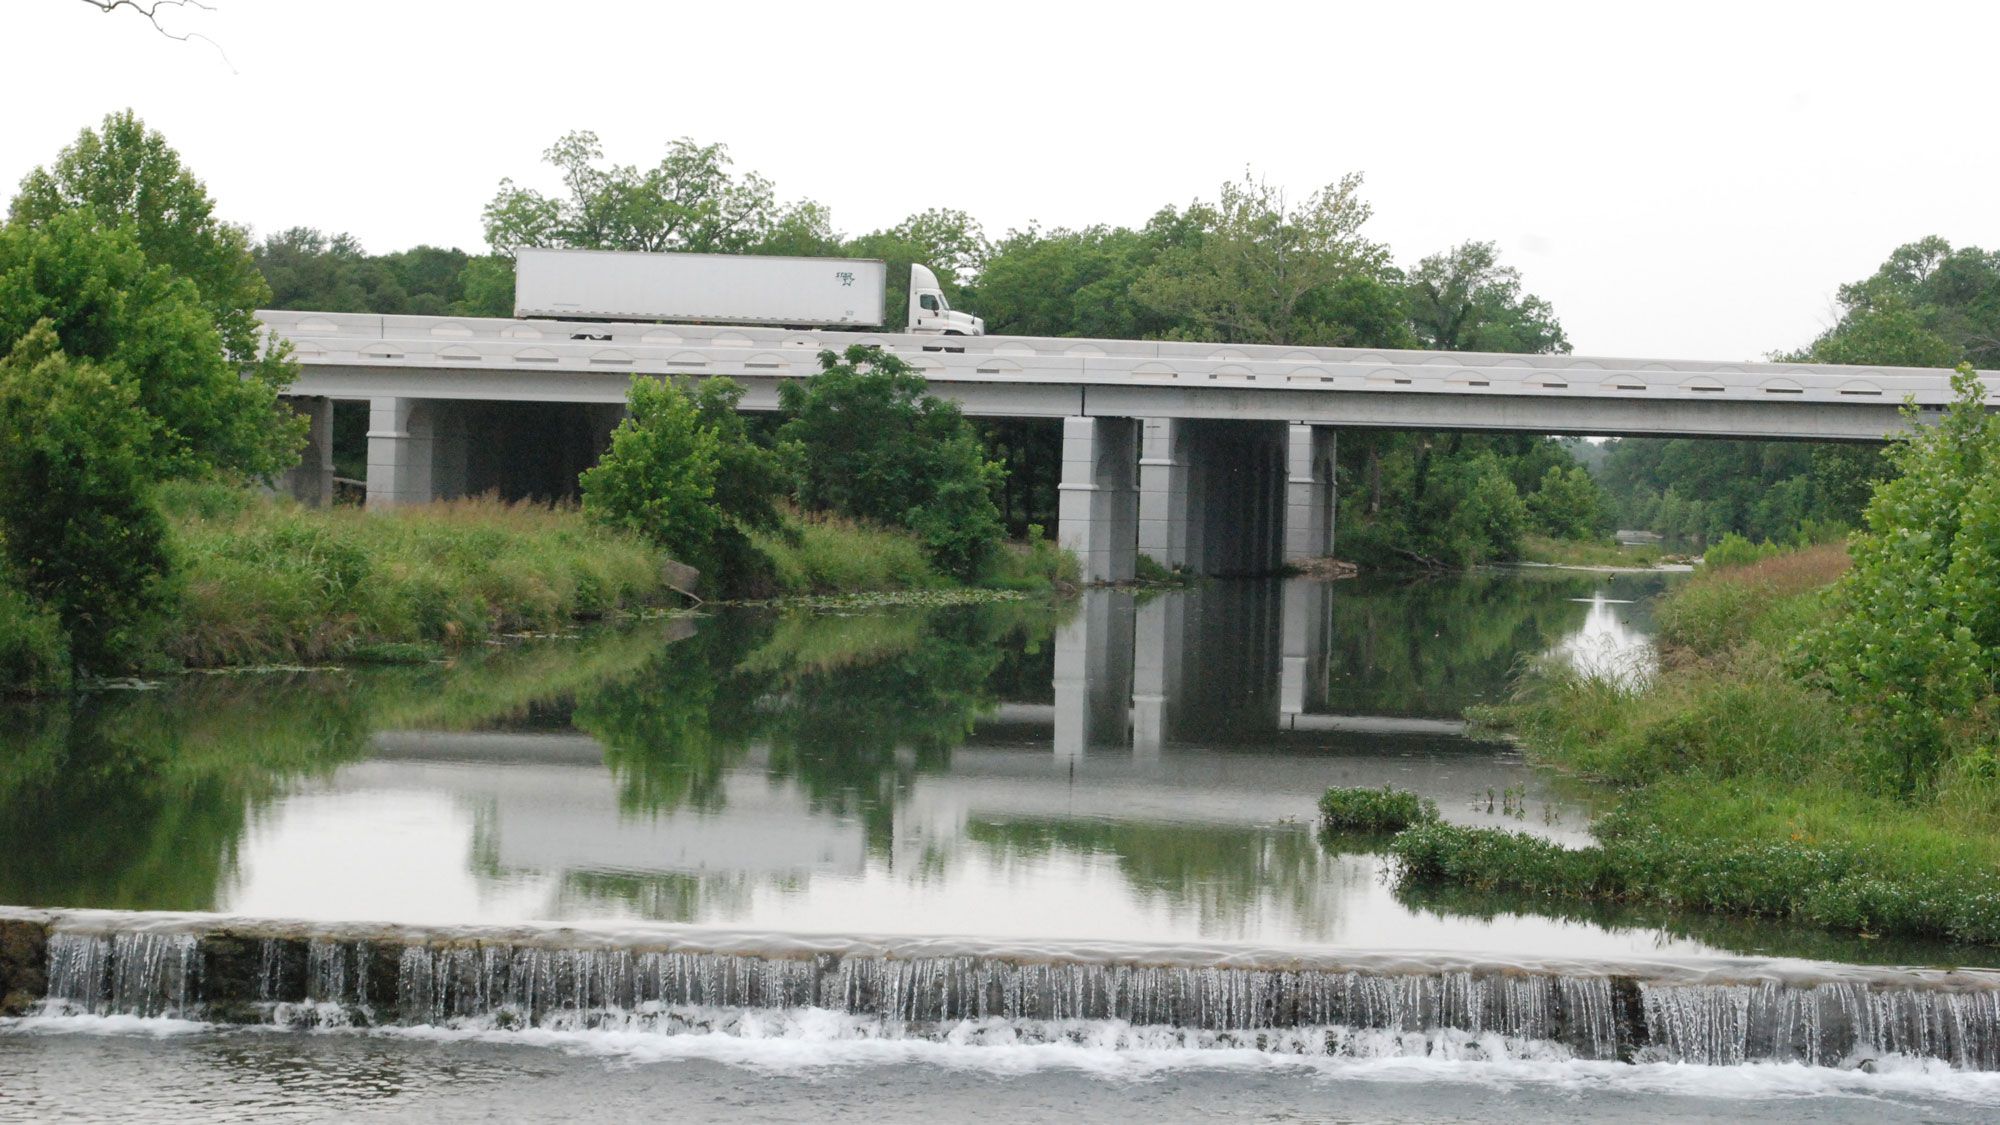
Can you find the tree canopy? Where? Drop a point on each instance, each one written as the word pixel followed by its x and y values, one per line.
pixel 77 524
pixel 126 175
pixel 1262 264
pixel 1465 300
pixel 150 331
pixel 689 201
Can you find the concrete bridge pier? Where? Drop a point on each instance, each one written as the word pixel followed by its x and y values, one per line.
pixel 311 480
pixel 1164 499
pixel 1097 507
pixel 1309 491
pixel 418 451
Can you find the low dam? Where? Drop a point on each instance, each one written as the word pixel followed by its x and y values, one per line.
pixel 677 980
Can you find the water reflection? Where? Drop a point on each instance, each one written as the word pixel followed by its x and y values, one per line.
pixel 1141 768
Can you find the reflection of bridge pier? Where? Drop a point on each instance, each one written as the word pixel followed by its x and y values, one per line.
pixel 1308 628
pixel 1232 662
pixel 1159 658
pixel 1093 677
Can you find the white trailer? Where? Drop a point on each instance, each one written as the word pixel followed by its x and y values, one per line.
pixel 709 288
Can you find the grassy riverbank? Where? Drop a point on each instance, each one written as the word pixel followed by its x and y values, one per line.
pixel 1739 786
pixel 262 581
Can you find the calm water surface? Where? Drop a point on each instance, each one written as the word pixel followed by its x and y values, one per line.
pixel 1128 769
pixel 1141 769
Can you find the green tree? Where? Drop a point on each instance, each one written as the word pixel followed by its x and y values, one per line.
pixel 1927 305
pixel 1465 300
pixel 658 478
pixel 1914 646
pixel 1261 263
pixel 76 514
pixel 689 201
pixel 126 175
pixel 865 438
pixel 148 330
pixel 1568 505
pixel 1072 283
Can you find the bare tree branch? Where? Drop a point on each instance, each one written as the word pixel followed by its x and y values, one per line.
pixel 150 11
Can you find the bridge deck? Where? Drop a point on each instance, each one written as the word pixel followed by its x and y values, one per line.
pixel 362 356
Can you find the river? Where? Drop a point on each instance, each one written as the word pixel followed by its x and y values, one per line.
pixel 899 861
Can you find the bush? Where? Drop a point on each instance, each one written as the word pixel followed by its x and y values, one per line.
pixel 1734 550
pixel 1373 810
pixel 1568 505
pixel 1915 641
pixel 658 478
pixel 865 439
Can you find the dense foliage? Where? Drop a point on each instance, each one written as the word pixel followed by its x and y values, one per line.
pixel 1914 643
pixel 865 439
pixel 658 477
pixel 127 315
pixel 77 522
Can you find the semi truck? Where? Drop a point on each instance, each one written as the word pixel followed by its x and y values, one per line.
pixel 727 289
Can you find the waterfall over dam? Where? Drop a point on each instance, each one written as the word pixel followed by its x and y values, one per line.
pixel 673 980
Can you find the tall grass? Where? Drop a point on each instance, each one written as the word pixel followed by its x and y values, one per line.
pixel 272 581
pixel 34 651
pixel 819 553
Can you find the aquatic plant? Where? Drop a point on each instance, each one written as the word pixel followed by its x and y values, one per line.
pixel 1343 809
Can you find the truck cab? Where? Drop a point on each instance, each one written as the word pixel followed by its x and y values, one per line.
pixel 931 314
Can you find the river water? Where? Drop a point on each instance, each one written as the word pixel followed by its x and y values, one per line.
pixel 1123 782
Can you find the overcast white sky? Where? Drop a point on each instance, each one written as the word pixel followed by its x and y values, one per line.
pixel 1685 180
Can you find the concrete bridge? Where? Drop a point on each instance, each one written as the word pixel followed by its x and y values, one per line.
pixel 1218 457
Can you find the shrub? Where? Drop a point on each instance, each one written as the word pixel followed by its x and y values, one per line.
pixel 1734 550
pixel 1915 641
pixel 865 439
pixel 1373 810
pixel 658 478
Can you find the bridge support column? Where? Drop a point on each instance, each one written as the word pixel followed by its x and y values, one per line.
pixel 1309 492
pixel 399 452
pixel 1097 506
pixel 311 480
pixel 1163 491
